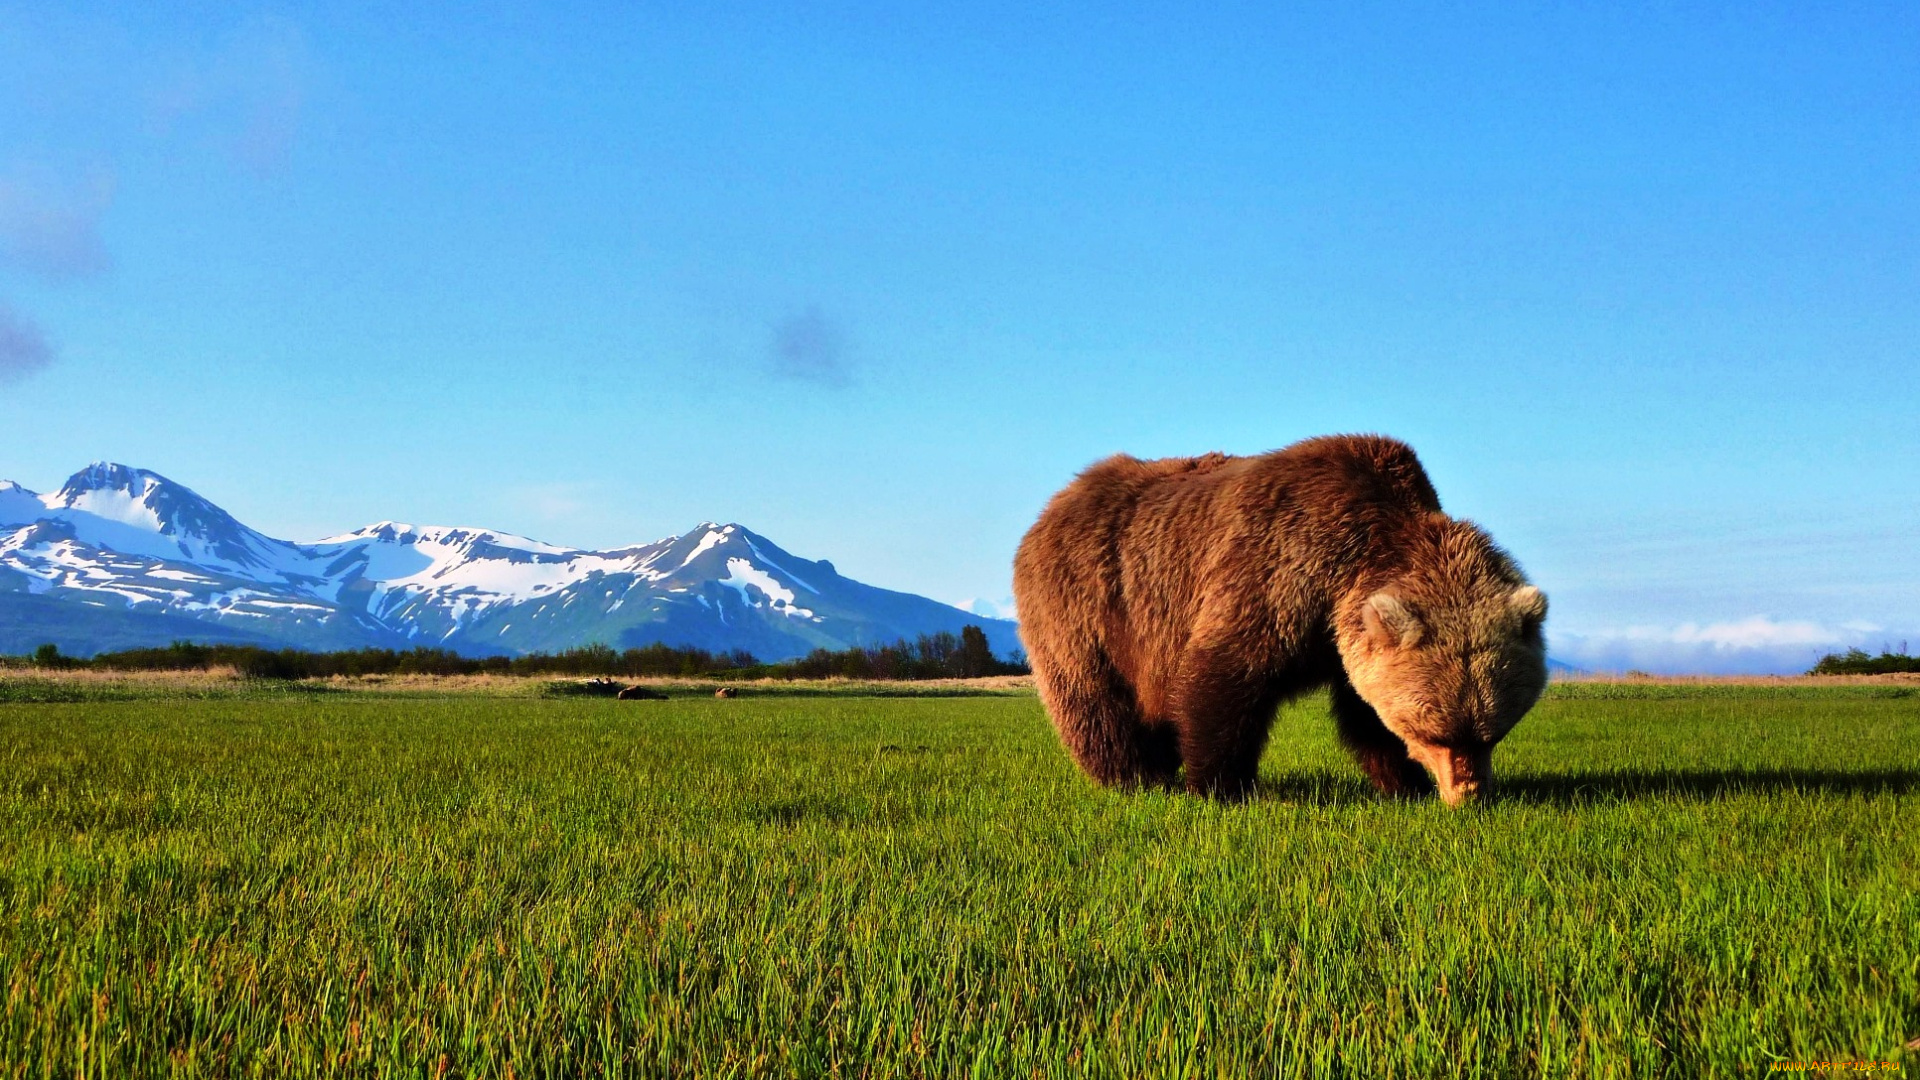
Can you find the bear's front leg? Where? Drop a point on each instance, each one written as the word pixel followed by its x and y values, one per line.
pixel 1223 714
pixel 1380 753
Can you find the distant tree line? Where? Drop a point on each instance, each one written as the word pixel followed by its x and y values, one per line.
pixel 932 656
pixel 1858 662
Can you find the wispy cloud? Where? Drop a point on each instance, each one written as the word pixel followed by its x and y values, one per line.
pixel 51 229
pixel 1752 645
pixel 243 95
pixel 247 95
pixel 24 350
pixel 810 347
pixel 554 502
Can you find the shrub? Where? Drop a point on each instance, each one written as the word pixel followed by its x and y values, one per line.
pixel 1858 662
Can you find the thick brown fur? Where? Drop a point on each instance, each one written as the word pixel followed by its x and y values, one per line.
pixel 1169 606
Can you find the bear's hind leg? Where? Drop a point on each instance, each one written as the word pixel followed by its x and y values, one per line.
pixel 1099 722
pixel 1381 753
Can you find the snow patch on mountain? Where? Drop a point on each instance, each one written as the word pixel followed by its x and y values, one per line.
pixel 442 536
pixel 125 506
pixel 743 575
pixel 713 539
pixel 791 576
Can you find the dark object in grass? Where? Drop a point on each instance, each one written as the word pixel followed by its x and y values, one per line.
pixel 641 693
pixel 582 688
pixel 1169 606
pixel 726 692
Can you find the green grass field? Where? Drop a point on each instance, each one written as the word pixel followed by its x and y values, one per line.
pixel 1675 882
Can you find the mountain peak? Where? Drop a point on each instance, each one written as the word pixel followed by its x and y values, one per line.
pixel 109 476
pixel 139 512
pixel 141 498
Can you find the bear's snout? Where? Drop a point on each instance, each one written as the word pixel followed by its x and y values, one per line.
pixel 1464 792
pixel 1463 776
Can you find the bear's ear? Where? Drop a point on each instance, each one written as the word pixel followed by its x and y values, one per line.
pixel 1388 621
pixel 1530 604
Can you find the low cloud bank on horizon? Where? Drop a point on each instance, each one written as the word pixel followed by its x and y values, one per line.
pixel 1756 645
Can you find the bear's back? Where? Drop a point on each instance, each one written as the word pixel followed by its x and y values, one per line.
pixel 1166 502
pixel 1125 554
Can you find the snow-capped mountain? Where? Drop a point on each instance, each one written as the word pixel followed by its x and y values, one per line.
pixel 121 556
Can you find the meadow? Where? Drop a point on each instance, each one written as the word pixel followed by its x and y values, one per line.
pixel 1675 881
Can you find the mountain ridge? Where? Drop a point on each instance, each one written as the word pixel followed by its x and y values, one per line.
pixel 123 546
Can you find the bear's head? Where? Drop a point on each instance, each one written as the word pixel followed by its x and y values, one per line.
pixel 1449 652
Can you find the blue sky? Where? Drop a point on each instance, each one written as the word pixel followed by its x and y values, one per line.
pixel 1641 284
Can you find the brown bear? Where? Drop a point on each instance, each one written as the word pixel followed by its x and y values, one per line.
pixel 1168 607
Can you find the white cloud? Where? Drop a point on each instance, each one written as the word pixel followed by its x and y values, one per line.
pixel 1002 608
pixel 1754 645
pixel 1755 632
